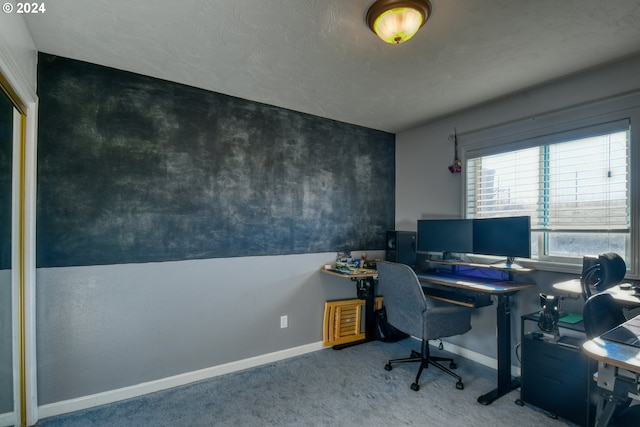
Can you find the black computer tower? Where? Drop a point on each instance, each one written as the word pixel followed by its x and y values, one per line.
pixel 401 247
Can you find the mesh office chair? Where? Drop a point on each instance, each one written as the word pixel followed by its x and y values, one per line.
pixel 407 311
pixel 601 273
pixel 601 312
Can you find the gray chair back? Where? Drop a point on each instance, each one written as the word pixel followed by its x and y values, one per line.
pixel 407 308
pixel 403 297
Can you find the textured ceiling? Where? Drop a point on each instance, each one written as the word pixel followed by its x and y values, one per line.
pixel 319 56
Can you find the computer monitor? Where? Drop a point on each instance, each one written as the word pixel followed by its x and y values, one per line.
pixel 505 236
pixel 445 235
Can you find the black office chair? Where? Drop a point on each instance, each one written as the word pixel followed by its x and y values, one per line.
pixel 601 273
pixel 407 311
pixel 601 313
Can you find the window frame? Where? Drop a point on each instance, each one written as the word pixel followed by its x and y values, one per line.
pixel 544 129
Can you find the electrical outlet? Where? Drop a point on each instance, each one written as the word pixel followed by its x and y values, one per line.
pixel 284 321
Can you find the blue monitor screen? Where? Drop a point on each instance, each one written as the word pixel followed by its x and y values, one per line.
pixel 445 235
pixel 508 236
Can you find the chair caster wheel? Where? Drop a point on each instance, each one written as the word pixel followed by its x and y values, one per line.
pixel 519 402
pixel 459 385
pixel 452 365
pixel 415 387
pixel 388 367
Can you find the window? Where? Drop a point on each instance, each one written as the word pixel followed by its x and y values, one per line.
pixel 575 185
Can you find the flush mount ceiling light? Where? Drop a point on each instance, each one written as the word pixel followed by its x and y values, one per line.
pixel 396 21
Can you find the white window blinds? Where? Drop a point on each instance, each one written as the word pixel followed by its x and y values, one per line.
pixel 571 184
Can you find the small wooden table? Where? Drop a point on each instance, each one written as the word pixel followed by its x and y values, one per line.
pixel 365 287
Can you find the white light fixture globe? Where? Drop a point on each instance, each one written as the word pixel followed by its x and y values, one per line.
pixel 396 21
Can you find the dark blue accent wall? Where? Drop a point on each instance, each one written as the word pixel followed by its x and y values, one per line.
pixel 136 169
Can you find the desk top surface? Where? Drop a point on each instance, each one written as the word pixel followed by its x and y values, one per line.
pixel 621 355
pixel 626 296
pixel 357 274
pixel 462 282
pixel 513 268
pixel 474 283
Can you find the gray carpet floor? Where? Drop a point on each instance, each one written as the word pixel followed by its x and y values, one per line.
pixel 349 387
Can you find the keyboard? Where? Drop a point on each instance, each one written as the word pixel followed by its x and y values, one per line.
pixel 452 279
pixel 478 284
pixel 466 298
pixel 448 295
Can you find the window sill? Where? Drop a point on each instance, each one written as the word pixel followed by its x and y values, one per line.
pixel 542 265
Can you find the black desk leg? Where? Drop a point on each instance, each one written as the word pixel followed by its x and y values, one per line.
pixel 506 384
pixel 366 290
pixel 369 310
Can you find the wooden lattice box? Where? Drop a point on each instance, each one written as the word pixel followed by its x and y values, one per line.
pixel 343 321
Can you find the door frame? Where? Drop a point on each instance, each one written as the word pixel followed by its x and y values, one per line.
pixel 23 275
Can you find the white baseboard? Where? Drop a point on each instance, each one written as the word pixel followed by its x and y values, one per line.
pixel 112 396
pixel 477 357
pixel 7 420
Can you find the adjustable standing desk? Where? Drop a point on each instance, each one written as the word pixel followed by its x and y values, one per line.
pixel 502 290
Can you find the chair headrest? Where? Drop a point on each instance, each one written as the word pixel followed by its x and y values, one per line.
pixel 612 270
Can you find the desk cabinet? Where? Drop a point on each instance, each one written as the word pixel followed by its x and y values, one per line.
pixel 556 378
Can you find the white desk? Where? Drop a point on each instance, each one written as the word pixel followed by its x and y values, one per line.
pixel 625 296
pixel 618 372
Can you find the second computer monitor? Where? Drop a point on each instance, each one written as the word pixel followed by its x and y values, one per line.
pixel 505 236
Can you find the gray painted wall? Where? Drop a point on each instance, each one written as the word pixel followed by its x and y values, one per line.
pixel 18 50
pixel 101 328
pixel 426 189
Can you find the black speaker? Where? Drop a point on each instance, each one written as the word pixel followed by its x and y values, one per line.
pixel 401 247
